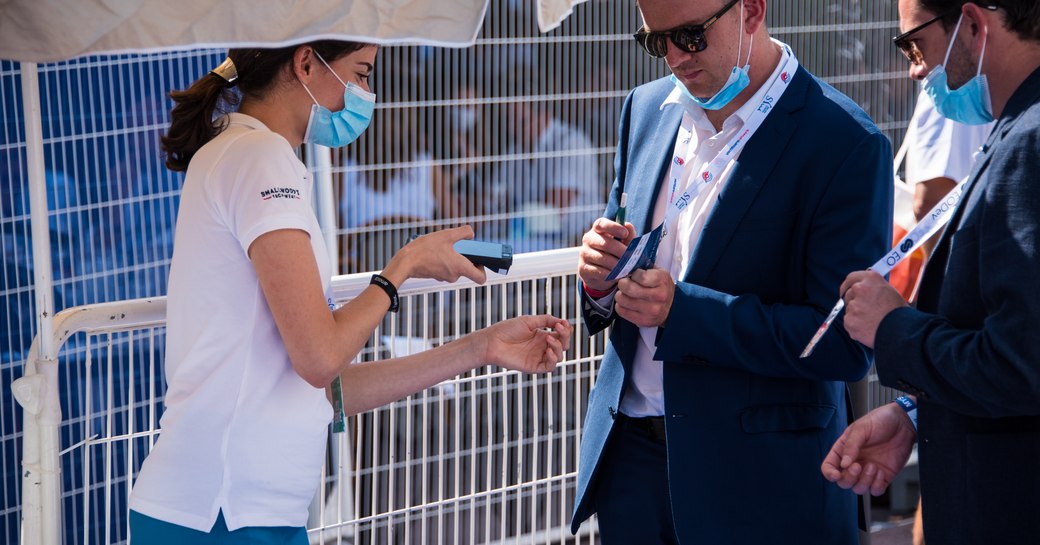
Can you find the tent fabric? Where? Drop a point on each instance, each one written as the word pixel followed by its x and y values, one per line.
pixel 55 30
pixel 552 12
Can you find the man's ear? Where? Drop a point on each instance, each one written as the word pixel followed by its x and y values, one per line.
pixel 978 23
pixel 754 15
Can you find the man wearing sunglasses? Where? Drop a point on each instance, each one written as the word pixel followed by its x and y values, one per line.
pixel 968 355
pixel 764 187
pixel 939 150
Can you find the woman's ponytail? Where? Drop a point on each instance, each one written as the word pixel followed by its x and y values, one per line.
pixel 192 119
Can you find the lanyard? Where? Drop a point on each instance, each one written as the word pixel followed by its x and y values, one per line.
pixel 339 417
pixel 642 251
pixel 931 224
pixel 712 170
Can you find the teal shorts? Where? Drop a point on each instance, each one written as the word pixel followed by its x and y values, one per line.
pixel 145 530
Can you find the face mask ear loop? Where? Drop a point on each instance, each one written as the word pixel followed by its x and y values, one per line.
pixel 750 45
pixel 309 93
pixel 740 39
pixel 953 39
pixel 982 55
pixel 334 74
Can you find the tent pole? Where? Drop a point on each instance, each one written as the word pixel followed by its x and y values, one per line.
pixel 45 470
pixel 319 159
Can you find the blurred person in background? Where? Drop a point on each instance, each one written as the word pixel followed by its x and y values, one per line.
pixel 550 186
pixel 387 205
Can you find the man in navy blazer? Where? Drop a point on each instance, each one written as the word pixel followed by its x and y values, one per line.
pixel 704 426
pixel 968 355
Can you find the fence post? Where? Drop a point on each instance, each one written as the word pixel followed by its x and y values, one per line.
pixel 41 520
pixel 319 162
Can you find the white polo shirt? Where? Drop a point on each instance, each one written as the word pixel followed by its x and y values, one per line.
pixel 940 147
pixel 242 432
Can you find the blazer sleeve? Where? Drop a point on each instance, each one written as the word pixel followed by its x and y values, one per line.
pixel 850 229
pixel 994 370
pixel 594 321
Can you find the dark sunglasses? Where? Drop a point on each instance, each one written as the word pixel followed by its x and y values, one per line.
pixel 908 46
pixel 688 38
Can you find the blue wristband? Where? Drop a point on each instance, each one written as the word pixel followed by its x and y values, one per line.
pixel 910 407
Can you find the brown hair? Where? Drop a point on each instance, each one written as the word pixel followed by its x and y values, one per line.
pixel 1020 16
pixel 193 118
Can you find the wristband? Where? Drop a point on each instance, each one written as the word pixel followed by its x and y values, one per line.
pixel 596 294
pixel 910 407
pixel 388 287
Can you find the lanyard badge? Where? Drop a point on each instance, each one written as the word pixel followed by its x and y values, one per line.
pixel 642 251
pixel 913 240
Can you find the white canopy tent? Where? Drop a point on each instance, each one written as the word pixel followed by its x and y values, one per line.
pixel 55 30
pixel 40 31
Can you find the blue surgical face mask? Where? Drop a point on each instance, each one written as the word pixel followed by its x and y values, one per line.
pixel 337 129
pixel 970 103
pixel 737 82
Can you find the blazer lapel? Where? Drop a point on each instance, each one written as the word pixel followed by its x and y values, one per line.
pixel 746 179
pixel 644 178
pixel 935 268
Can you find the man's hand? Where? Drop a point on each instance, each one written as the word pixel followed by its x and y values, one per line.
pixel 601 248
pixel 645 298
pixel 868 299
pixel 872 451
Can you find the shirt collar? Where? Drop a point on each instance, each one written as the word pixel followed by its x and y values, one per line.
pixel 742 113
pixel 236 118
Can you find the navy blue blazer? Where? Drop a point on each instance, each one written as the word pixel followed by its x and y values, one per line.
pixel 747 422
pixel 971 352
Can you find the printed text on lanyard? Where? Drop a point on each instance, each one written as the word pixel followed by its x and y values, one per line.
pixel 642 251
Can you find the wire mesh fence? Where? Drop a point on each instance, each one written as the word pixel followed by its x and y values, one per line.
pixel 487 457
pixel 514 135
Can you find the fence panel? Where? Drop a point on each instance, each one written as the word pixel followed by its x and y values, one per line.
pixel 487 457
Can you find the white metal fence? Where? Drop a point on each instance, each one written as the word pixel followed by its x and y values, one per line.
pixel 488 457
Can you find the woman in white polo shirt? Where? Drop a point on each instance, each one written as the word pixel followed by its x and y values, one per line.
pixel 251 342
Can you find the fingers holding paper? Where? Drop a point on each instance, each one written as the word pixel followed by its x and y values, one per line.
pixel 645 297
pixel 601 248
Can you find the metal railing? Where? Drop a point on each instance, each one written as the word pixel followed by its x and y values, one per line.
pixel 487 457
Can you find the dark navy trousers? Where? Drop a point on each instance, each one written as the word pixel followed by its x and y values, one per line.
pixel 631 495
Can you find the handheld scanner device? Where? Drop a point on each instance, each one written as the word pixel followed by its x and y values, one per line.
pixel 494 256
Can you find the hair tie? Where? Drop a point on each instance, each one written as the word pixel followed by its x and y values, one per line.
pixel 227 72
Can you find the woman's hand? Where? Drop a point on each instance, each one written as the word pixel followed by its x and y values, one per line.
pixel 531 344
pixel 432 256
